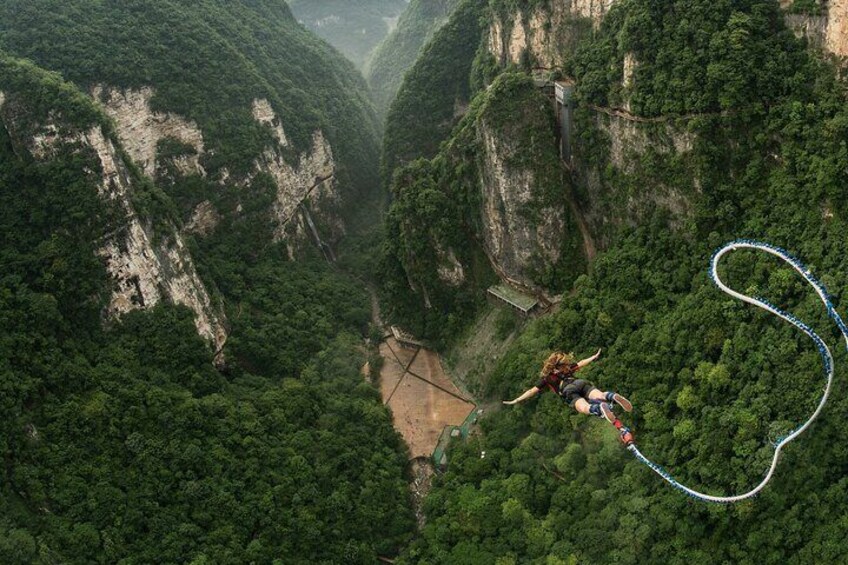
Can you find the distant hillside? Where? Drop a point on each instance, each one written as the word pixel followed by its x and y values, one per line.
pixel 398 52
pixel 435 92
pixel 354 27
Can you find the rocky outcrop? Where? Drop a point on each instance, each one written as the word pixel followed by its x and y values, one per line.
pixel 450 270
pixel 514 239
pixel 146 264
pixel 545 36
pixel 592 9
pixel 264 114
pixel 204 219
pixel 827 29
pixel 836 38
pixel 311 181
pixel 140 129
pixel 145 272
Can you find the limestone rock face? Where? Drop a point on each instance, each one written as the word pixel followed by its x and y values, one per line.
pixel 143 272
pixel 514 240
pixel 140 129
pixel 264 114
pixel 146 264
pixel 827 30
pixel 606 208
pixel 450 271
pixel 311 181
pixel 204 219
pixel 545 35
pixel 836 39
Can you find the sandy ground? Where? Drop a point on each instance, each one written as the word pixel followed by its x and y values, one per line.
pixel 411 384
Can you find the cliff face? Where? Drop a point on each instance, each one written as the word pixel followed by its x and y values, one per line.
pixel 545 36
pixel 266 103
pixel 622 174
pixel 310 182
pixel 825 25
pixel 145 258
pixel 496 195
pixel 521 235
pixel 140 129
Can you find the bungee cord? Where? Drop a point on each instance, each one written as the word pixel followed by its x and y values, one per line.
pixel 824 351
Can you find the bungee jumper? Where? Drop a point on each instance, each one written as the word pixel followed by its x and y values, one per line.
pixel 557 375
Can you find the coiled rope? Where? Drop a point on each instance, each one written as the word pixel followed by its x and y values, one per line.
pixel 824 351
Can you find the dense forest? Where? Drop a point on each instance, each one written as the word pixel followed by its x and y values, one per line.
pixel 130 439
pixel 713 381
pixel 397 53
pixel 425 109
pixel 121 440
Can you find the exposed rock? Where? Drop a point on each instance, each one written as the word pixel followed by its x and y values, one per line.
pixel 517 39
pixel 827 30
pixel 312 179
pixel 629 140
pixel 45 142
pixel 836 40
pixel 496 43
pixel 592 9
pixel 450 271
pixel 203 220
pixel 550 33
pixel 513 241
pixel 140 129
pixel 629 69
pixel 264 114
pixel 2 99
pixel 421 470
pixel 144 273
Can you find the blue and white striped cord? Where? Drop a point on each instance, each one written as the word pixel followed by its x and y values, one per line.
pixel 827 358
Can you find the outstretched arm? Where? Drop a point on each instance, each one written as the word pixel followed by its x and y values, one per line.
pixel 529 393
pixel 584 362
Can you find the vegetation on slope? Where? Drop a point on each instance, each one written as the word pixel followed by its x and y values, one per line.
pixel 397 53
pixel 712 380
pixel 433 91
pixel 239 52
pixel 438 206
pixel 123 443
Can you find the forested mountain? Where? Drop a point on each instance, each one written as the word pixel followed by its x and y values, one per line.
pixel 695 123
pixel 435 92
pixel 164 171
pixel 354 27
pixel 191 197
pixel 397 53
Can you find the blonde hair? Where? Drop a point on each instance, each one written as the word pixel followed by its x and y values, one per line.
pixel 554 359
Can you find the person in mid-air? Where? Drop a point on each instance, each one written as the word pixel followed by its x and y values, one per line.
pixel 557 375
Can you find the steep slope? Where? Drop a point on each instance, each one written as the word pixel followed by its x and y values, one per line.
pixel 161 194
pixel 111 213
pixel 695 123
pixel 435 92
pixel 486 203
pixel 397 53
pixel 286 108
pixel 353 27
